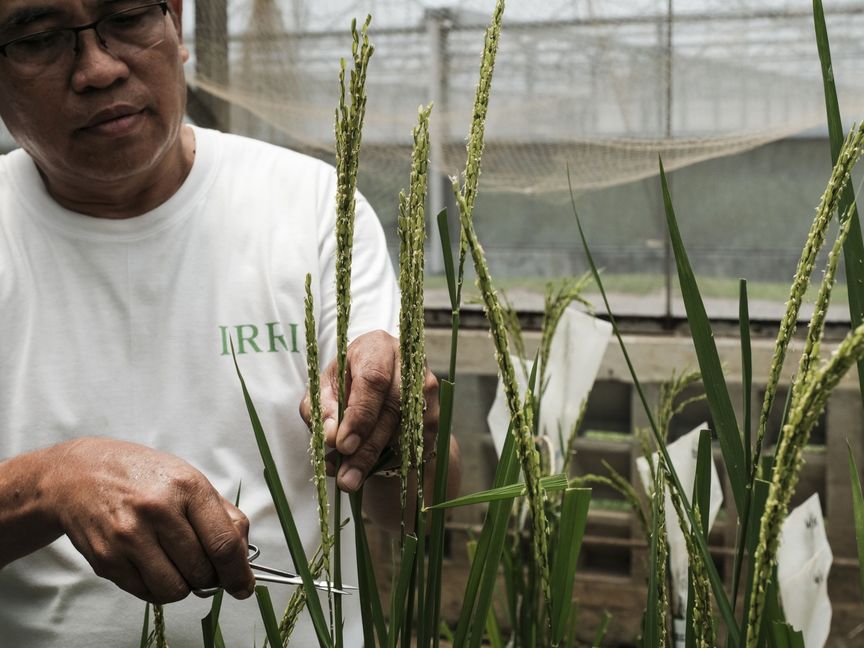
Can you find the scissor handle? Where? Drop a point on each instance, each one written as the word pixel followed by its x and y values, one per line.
pixel 207 592
pixel 254 552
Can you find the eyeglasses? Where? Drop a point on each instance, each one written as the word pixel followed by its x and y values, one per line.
pixel 123 34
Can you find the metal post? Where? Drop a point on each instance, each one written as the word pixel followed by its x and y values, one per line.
pixel 437 22
pixel 211 57
pixel 667 246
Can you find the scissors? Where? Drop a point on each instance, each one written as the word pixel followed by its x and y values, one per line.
pixel 271 575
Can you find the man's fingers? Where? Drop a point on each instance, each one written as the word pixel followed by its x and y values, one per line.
pixel 183 548
pixel 329 404
pixel 224 543
pixel 107 563
pixel 355 468
pixel 432 410
pixel 373 394
pixel 164 582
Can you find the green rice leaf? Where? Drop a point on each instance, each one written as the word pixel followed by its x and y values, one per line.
pixel 371 613
pixel 268 616
pixel 773 614
pixel 722 600
pixel 493 630
pixel 436 524
pixel 145 630
pixel 702 484
pixel 484 570
pixel 746 372
pixel 550 484
pixel 210 623
pixel 651 631
pixel 286 518
pixel 449 266
pixel 858 513
pixel 400 592
pixel 784 636
pixel 601 631
pixel 702 496
pixel 716 391
pixel 573 519
pixel 853 247
pixel 757 509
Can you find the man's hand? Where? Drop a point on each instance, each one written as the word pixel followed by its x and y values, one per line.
pixel 148 521
pixel 371 421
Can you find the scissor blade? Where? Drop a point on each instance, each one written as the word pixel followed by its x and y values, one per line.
pixel 281 572
pixel 296 580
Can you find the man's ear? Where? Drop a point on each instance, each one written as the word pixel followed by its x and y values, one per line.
pixel 176 12
pixel 176 8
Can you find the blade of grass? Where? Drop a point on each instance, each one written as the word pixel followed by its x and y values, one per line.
pixel 286 518
pixel 651 631
pixel 702 496
pixel 446 247
pixel 407 625
pixel 484 569
pixel 210 623
pixel 437 520
pixel 601 631
pixel 702 484
pixel 400 591
pixel 573 519
pixel 853 247
pixel 858 514
pixel 493 630
pixel 716 583
pixel 746 372
pixel 145 630
pixel 716 391
pixel 454 287
pixel 372 615
pixel 747 386
pixel 550 484
pixel 773 612
pixel 757 508
pixel 785 636
pixel 491 545
pixel 268 616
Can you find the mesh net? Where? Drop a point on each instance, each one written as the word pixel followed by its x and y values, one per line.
pixel 728 93
pixel 602 86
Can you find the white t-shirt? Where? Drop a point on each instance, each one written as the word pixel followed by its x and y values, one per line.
pixel 120 329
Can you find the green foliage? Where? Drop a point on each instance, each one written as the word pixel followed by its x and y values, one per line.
pixel 858 514
pixel 540 565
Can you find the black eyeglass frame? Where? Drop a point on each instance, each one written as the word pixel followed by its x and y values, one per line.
pixel 93 25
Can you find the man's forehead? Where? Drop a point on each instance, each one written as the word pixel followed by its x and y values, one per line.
pixel 16 12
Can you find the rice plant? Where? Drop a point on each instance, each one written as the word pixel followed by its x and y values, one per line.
pixel 540 559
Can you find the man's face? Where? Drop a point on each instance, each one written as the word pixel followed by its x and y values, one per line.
pixel 104 117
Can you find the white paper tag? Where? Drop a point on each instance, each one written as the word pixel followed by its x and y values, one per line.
pixel 683 452
pixel 574 360
pixel 803 561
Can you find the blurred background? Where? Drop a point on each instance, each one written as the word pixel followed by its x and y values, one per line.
pixel 727 92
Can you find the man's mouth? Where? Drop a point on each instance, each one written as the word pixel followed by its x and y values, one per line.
pixel 114 121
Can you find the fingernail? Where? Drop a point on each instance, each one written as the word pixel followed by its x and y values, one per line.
pixel 350 445
pixel 330 431
pixel 243 594
pixel 351 479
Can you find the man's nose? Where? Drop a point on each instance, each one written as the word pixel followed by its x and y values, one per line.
pixel 96 67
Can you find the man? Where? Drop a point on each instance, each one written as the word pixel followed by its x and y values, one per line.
pixel 133 248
